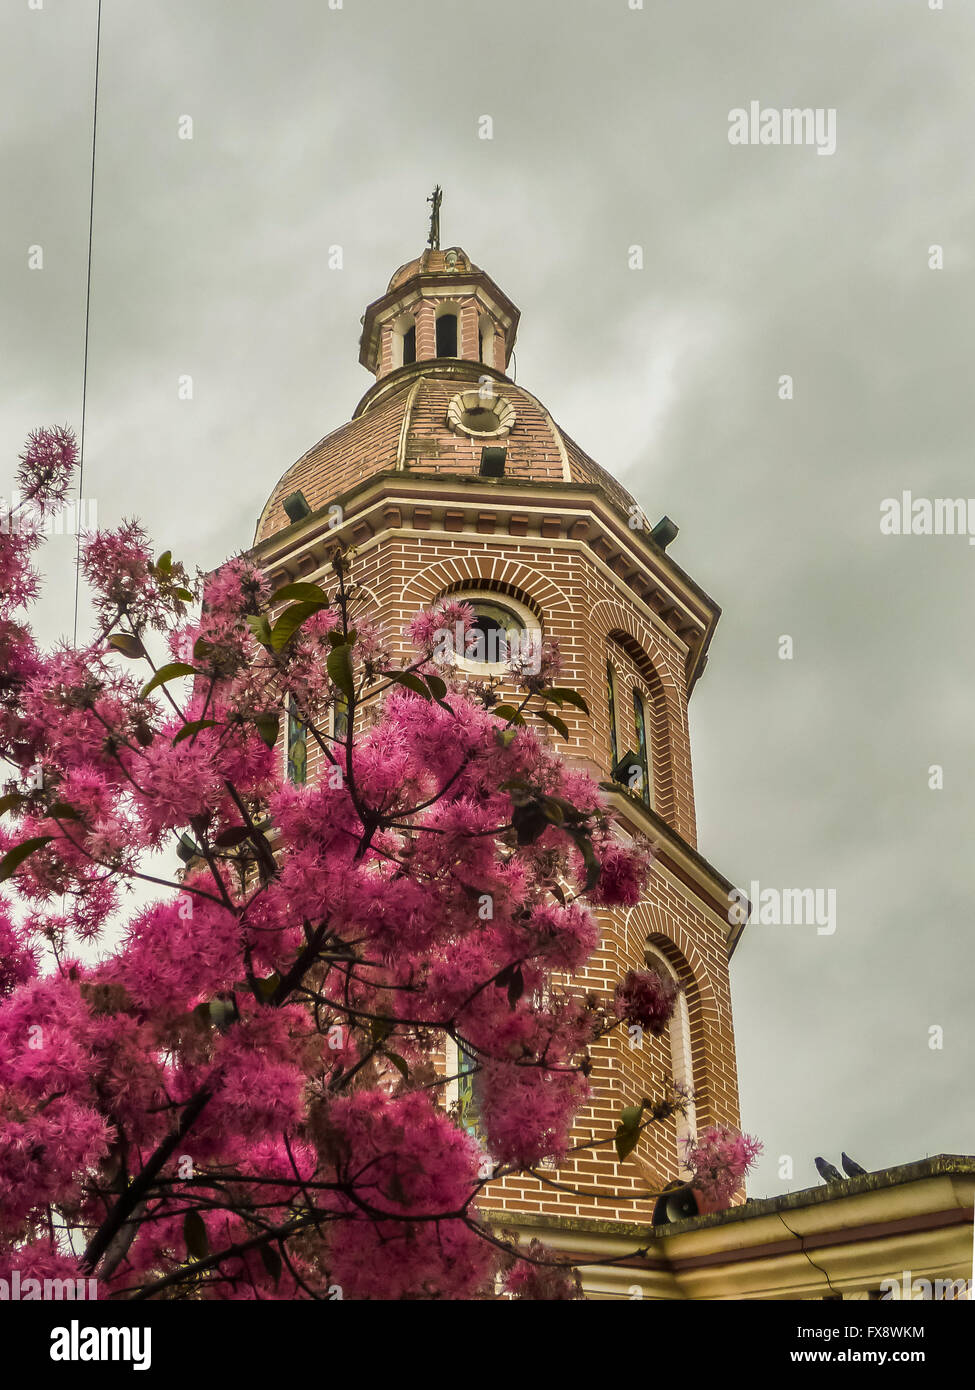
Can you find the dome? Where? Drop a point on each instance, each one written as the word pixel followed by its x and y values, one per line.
pixel 434 418
pixel 433 261
pixel 439 342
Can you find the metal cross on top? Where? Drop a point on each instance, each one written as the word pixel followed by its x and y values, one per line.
pixel 435 199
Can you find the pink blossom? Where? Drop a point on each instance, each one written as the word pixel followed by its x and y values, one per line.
pixel 647 999
pixel 543 1278
pixel 47 465
pixel 622 874
pixel 719 1158
pixel 281 1001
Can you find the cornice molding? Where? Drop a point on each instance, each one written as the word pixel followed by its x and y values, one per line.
pixel 688 607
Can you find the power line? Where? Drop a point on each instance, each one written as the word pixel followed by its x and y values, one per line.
pixel 84 381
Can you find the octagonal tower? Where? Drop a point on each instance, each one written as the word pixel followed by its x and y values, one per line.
pixel 450 479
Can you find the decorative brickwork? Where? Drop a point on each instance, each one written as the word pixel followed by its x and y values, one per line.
pixel 555 532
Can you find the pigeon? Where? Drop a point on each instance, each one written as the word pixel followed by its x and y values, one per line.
pixel 827 1172
pixel 851 1168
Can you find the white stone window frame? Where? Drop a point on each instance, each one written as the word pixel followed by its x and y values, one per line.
pixel 399 327
pixel 529 625
pixel 681 1055
pixel 480 398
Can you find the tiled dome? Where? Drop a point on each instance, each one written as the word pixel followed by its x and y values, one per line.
pixel 405 425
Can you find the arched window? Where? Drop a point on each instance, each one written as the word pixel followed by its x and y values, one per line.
pixel 640 719
pixel 340 717
pixel 403 340
pixel 485 329
pixel 488 638
pixel 297 746
pixel 503 630
pixel 681 1057
pixel 447 335
pixel 463 1089
pixel 611 701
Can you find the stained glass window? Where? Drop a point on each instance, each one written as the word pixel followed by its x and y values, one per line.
pixel 639 715
pixel 467 1089
pixel 611 698
pixel 297 746
pixel 340 722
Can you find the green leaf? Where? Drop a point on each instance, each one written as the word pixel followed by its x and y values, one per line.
pixel 193 728
pixel 300 593
pixel 223 1012
pixel 628 1130
pixel 437 685
pixel 165 562
pixel 16 856
pixel 268 725
pixel 411 682
pixel 271 1261
pixel 290 621
pixel 559 695
pixel 339 666
pixel 11 801
pixel 187 848
pixel 195 1235
pixel 556 723
pixel 516 986
pixel 380 1028
pixel 509 713
pixel 400 1063
pixel 505 737
pixel 185 595
pixel 167 673
pixel 593 867
pixel 340 639
pixel 626 1141
pixel 125 643
pixel 260 628
pixel 60 810
pixel 529 822
pixel 202 649
pixel 264 989
pixel 235 835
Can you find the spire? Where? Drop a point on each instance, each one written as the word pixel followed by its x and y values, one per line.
pixel 435 199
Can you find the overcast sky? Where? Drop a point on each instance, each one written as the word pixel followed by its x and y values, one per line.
pixel 315 127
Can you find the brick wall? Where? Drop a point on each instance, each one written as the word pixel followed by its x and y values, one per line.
pixel 419 554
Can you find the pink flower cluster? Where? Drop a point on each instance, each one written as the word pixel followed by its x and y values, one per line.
pixel 646 998
pixel 261 1035
pixel 719 1158
pixel 47 466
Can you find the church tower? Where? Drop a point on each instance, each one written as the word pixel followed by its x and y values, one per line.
pixel 450 479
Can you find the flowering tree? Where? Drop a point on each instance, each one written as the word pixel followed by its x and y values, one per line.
pixel 229 1091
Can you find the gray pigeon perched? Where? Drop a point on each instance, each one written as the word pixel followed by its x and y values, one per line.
pixel 827 1172
pixel 851 1168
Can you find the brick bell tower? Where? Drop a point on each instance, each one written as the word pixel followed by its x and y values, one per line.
pixel 450 479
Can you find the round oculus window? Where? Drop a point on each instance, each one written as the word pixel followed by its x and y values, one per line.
pixel 480 414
